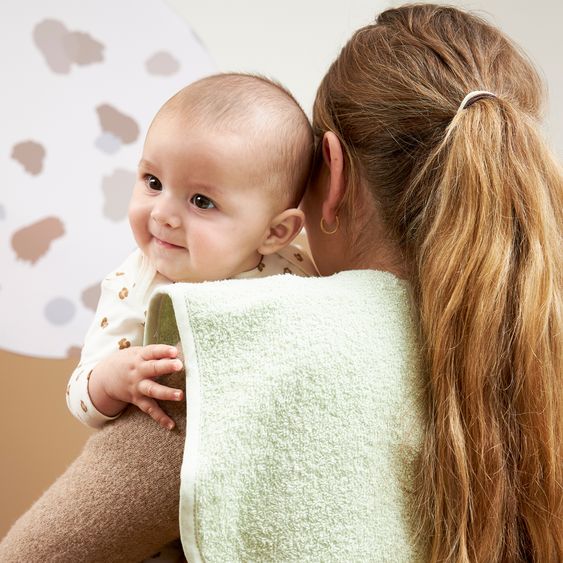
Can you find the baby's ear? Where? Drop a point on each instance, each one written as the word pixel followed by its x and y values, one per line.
pixel 283 229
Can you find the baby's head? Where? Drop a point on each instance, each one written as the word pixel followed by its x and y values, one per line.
pixel 224 166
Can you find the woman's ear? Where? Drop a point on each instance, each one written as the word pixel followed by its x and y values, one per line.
pixel 283 229
pixel 334 160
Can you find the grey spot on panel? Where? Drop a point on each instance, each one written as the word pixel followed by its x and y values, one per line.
pixel 48 36
pixel 30 155
pixel 162 64
pixel 107 142
pixel 59 311
pixel 82 49
pixel 117 190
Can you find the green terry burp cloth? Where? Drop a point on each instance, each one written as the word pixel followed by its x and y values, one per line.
pixel 305 415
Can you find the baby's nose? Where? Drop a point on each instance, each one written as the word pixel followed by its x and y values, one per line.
pixel 166 218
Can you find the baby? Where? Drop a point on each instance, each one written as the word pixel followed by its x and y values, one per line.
pixel 224 166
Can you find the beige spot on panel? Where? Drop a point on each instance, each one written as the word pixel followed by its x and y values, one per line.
pixel 117 190
pixel 119 274
pixel 33 242
pixel 123 293
pixel 117 123
pixel 62 48
pixel 30 155
pixel 124 343
pixel 104 322
pixel 73 352
pixel 82 48
pixel 162 64
pixel 48 36
pixel 90 296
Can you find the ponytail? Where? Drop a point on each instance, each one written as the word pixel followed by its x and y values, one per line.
pixel 489 289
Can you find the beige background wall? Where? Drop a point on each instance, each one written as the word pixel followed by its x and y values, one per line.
pixel 293 41
pixel 39 437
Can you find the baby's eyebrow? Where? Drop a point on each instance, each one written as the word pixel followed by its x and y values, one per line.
pixel 143 163
pixel 208 188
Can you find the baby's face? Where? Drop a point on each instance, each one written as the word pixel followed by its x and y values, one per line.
pixel 196 211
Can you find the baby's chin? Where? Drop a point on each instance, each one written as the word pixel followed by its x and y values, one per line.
pixel 177 277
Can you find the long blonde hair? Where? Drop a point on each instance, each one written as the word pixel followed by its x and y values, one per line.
pixel 474 198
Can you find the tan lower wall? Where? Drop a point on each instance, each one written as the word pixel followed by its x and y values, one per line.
pixel 38 437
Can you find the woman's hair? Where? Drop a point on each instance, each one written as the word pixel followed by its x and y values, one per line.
pixel 474 198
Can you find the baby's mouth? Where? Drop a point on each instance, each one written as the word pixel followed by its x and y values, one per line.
pixel 166 244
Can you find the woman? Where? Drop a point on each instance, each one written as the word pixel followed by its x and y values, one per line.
pixel 430 166
pixel 465 202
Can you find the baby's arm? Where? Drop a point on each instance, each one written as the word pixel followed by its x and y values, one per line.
pixel 114 369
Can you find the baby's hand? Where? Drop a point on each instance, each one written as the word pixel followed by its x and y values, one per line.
pixel 127 376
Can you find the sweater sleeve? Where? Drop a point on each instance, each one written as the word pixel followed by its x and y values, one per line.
pixel 118 324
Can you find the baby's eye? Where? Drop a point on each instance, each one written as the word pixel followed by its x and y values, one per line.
pixel 153 183
pixel 202 202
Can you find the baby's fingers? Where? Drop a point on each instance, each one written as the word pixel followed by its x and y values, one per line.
pixel 150 406
pixel 150 388
pixel 156 368
pixel 158 351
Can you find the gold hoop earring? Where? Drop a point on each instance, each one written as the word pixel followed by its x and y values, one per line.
pixel 325 230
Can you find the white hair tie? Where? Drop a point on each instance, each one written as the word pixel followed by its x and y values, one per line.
pixel 473 97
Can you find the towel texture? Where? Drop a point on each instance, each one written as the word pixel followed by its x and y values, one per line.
pixel 304 417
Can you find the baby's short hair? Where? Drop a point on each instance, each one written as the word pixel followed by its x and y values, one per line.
pixel 283 135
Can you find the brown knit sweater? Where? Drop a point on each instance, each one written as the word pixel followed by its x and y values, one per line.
pixel 117 502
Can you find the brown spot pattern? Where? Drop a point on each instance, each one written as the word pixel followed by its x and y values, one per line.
pixel 32 242
pixel 162 64
pixel 123 293
pixel 124 343
pixel 82 48
pixel 90 296
pixel 287 271
pixel 298 256
pixel 83 406
pixel 73 352
pixel 261 266
pixel 30 155
pixel 104 322
pixel 117 190
pixel 117 123
pixel 61 48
